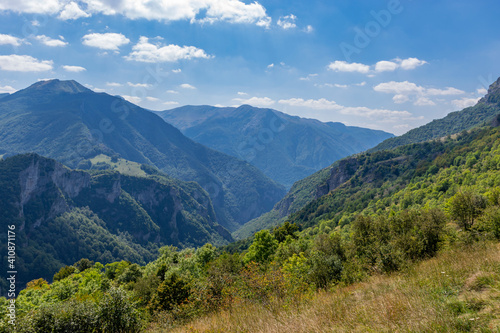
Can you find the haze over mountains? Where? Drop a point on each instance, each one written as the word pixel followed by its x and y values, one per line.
pixel 286 148
pixel 72 124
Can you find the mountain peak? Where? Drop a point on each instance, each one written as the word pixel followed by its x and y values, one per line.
pixel 493 95
pixel 58 86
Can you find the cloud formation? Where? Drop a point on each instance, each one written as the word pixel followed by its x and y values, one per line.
pixel 233 11
pixel 107 41
pixel 72 11
pixel 406 91
pixel 24 63
pixel 379 67
pixel 465 102
pixel 255 101
pixel 10 40
pixel 287 22
pixel 344 66
pixel 74 69
pixel 324 104
pixel 50 41
pixel 144 51
pixel 7 89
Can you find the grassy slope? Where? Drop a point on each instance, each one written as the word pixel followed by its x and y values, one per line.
pixel 457 291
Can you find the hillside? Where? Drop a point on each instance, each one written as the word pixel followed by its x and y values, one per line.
pixel 486 109
pixel 72 124
pixel 284 147
pixel 322 182
pixel 429 212
pixel 62 215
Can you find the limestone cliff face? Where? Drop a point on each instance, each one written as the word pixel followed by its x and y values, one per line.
pixel 44 178
pixel 148 209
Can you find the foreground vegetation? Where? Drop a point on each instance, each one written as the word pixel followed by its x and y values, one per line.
pixel 458 291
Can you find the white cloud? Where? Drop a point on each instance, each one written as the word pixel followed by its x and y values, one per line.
pixel 170 103
pixel 309 29
pixel 74 69
pixel 113 84
pixel 400 98
pixel 404 90
pixel 465 102
pixel 138 85
pixel 308 77
pixel 72 12
pixel 50 41
pixel 361 84
pixel 400 88
pixel 132 99
pixel 106 41
pixel 386 66
pixel 209 11
pixel 8 39
pixel 287 22
pixel 343 66
pixel 374 113
pixel 444 92
pixel 270 66
pixel 187 86
pixel 381 66
pixel 172 92
pixel 32 6
pixel 324 104
pixel 176 71
pixel 152 99
pixel 424 101
pixel 412 63
pixel 255 101
pixel 7 89
pixel 144 51
pixel 242 93
pixel 482 91
pixel 24 63
pixel 35 23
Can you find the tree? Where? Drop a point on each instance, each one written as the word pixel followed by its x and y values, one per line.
pixel 465 207
pixel 263 247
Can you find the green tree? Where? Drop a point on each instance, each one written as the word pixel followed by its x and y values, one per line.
pixel 263 247
pixel 465 207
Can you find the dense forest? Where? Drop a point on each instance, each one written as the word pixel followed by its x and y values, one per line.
pixel 407 206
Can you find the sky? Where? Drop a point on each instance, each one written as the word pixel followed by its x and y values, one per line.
pixel 391 65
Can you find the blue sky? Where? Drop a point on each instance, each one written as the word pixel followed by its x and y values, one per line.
pixel 391 65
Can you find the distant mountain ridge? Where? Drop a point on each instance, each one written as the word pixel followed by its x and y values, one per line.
pixel 311 195
pixel 72 124
pixel 483 112
pixel 286 148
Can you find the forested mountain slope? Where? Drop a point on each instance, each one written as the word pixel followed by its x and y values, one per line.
pixel 62 215
pixel 286 148
pixel 68 122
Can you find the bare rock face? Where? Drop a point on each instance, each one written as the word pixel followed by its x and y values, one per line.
pixel 46 177
pixel 493 95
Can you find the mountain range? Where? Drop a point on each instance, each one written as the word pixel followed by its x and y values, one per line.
pixel 314 190
pixel 72 124
pixel 286 148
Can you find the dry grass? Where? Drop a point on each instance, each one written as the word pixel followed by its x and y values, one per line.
pixel 458 291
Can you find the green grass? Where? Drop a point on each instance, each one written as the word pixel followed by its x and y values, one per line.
pixel 457 291
pixel 121 165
